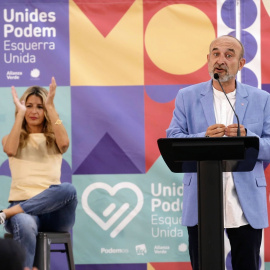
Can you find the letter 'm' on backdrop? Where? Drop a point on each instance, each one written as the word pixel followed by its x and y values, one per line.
pixel 118 66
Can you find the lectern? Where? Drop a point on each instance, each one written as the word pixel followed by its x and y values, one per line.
pixel 209 157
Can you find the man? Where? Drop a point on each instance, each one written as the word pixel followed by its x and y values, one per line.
pixel 12 255
pixel 202 110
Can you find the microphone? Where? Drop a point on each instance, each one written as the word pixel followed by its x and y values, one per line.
pixel 216 76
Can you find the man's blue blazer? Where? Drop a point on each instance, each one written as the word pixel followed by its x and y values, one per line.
pixel 194 112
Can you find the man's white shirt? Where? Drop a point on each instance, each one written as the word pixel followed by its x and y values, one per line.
pixel 233 213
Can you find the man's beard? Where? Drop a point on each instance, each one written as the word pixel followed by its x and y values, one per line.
pixel 224 78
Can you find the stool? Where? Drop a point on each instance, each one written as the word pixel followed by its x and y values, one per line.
pixel 43 248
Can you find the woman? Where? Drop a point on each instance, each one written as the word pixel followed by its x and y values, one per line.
pixel 38 200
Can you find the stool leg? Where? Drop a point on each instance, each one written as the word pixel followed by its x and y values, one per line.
pixel 42 257
pixel 69 252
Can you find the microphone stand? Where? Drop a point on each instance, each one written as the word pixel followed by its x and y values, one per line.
pixel 216 76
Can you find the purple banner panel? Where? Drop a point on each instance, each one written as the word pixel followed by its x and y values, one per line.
pixel 108 130
pixel 266 87
pixel 34 42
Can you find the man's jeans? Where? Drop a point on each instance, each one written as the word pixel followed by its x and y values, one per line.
pixel 53 210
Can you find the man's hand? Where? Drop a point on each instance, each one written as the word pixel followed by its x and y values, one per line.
pixel 217 130
pixel 231 130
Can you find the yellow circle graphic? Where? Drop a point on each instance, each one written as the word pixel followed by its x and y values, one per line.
pixel 177 39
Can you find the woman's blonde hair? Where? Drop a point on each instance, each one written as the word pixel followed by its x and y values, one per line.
pixel 47 125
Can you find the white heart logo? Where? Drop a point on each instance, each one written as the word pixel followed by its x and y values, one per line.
pixel 112 191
